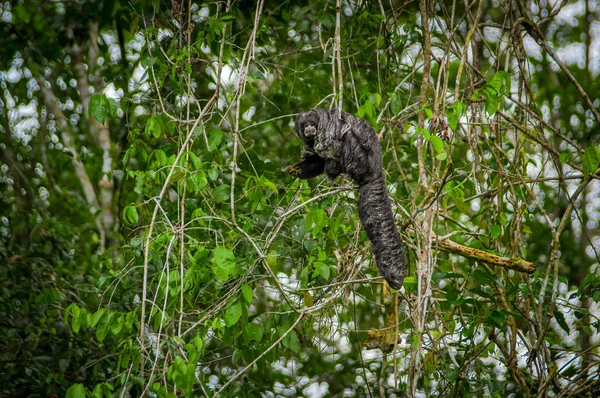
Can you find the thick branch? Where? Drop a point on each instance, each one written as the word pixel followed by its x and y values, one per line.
pixel 515 263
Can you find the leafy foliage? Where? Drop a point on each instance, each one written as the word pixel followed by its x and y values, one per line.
pixel 151 244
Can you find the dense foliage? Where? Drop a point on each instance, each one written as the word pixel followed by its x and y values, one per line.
pixel 151 244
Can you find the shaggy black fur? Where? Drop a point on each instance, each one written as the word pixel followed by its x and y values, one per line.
pixel 337 144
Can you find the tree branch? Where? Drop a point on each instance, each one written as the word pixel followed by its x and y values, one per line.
pixel 514 263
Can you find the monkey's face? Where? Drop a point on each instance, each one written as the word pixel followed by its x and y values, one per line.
pixel 307 125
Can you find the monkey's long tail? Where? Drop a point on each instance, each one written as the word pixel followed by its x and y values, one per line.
pixel 375 212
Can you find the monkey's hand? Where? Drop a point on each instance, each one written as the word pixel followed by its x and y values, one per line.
pixel 308 168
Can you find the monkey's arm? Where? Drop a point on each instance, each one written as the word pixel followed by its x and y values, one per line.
pixel 310 167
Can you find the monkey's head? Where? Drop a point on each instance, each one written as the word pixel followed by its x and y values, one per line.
pixel 307 125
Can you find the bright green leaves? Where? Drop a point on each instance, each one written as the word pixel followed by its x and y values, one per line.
pixel 368 109
pixel 160 158
pixel 103 320
pixel 78 317
pixel 103 327
pixel 233 313
pixel 222 193
pixel 159 126
pixel 101 107
pixel 497 85
pixel 454 112
pixel 291 340
pixel 321 269
pixel 315 221
pixel 154 127
pixel 437 143
pixel 247 293
pixel 76 391
pixel 181 373
pixel 103 390
pixel 252 331
pixel 259 193
pixel 496 318
pixel 394 103
pixel 130 215
pixel 500 82
pixel 98 107
pixel 454 190
pixel 223 263
pixel 129 356
pixel 211 33
pixel 590 159
pixel 495 231
pixel 97 316
pixel 491 101
pixel 215 138
pixel 199 181
pixel 318 270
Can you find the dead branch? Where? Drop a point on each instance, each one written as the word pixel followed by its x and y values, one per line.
pixel 514 263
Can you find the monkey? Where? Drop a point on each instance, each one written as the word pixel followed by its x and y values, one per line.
pixel 338 143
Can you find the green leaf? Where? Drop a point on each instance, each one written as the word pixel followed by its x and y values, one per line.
pixel 113 106
pixel 497 319
pixel 154 127
pixel 223 263
pixel 454 113
pixel 496 81
pixel 322 269
pixel 271 186
pixel 495 231
pixel 117 325
pixel 99 107
pixel 200 179
pixel 315 221
pixel 233 313
pixel 76 391
pixel 97 316
pixel 252 331
pixel 491 101
pixel 437 143
pixel 292 342
pixel 410 281
pixel 68 311
pixel 146 63
pixel 271 259
pixel 130 215
pixel 103 326
pixel 460 204
pixel 214 139
pixel 77 318
pixel 247 293
pixel 453 121
pixel 590 160
pixel 222 193
pixel 564 157
pixel 442 156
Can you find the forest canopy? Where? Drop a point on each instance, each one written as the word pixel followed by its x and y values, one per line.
pixel 152 244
